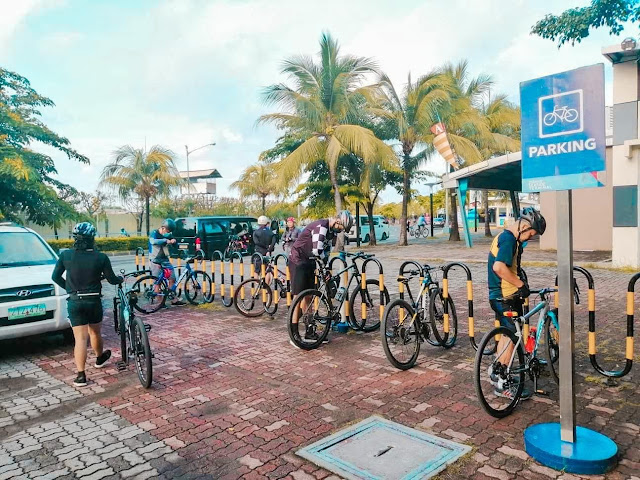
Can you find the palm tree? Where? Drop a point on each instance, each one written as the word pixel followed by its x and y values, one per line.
pixel 146 174
pixel 467 129
pixel 503 119
pixel 411 116
pixel 322 109
pixel 257 181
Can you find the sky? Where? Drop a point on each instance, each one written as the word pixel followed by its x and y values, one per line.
pixel 191 72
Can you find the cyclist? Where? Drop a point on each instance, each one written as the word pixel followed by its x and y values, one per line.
pixel 85 267
pixel 507 288
pixel 421 223
pixel 314 241
pixel 264 241
pixel 290 235
pixel 159 242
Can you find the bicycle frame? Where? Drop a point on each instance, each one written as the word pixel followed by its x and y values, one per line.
pixel 354 274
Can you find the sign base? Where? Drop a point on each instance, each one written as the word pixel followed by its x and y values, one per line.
pixel 592 453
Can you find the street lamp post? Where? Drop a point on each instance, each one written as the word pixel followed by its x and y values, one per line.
pixel 431 185
pixel 188 153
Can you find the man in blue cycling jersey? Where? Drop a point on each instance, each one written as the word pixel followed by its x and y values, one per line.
pixel 507 286
pixel 159 242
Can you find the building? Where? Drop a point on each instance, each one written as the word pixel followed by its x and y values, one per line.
pixel 201 182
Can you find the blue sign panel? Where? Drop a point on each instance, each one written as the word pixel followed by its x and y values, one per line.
pixel 563 132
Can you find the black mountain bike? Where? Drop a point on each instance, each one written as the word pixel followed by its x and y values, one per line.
pixel 317 310
pixel 255 296
pixel 132 330
pixel 406 324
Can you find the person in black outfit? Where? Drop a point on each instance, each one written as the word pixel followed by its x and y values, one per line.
pixel 85 267
pixel 264 241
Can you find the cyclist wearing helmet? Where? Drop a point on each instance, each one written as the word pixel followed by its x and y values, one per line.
pixel 314 241
pixel 159 242
pixel 85 267
pixel 507 286
pixel 290 235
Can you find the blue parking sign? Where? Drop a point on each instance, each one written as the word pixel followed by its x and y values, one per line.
pixel 563 131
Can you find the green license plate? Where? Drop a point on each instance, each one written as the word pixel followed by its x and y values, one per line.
pixel 16 313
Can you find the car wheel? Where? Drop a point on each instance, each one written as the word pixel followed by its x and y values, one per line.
pixel 366 238
pixel 384 236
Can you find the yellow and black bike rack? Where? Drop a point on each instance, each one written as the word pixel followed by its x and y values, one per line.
pixel 263 273
pixel 140 260
pixel 345 281
pixel 215 256
pixel 363 286
pixel 445 295
pixel 403 270
pixel 274 262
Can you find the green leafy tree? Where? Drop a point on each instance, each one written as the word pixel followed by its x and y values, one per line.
pixel 257 181
pixel 27 178
pixel 574 24
pixel 145 174
pixel 321 109
pixel 411 115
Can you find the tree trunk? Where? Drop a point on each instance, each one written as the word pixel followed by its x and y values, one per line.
pixel 454 234
pixel 485 205
pixel 146 206
pixel 55 231
pixel 336 191
pixel 406 184
pixel 264 209
pixel 372 231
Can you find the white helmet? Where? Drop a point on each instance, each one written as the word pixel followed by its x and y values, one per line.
pixel 263 220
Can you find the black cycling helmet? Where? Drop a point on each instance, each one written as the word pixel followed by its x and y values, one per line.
pixel 535 219
pixel 84 229
pixel 169 224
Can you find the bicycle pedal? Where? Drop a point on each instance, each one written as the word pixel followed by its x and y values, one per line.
pixel 544 393
pixel 147 327
pixel 120 366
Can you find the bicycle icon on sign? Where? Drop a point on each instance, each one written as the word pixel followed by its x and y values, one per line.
pixel 561 114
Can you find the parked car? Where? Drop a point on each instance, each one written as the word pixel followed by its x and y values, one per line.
pixel 210 234
pixel 30 303
pixel 380 225
pixel 438 221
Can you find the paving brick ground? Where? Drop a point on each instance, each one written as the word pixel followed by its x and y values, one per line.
pixel 232 399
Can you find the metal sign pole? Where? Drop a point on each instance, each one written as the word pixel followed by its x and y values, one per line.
pixel 565 313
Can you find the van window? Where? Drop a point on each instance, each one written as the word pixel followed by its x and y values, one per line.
pixel 364 221
pixel 376 221
pixel 239 227
pixel 185 228
pixel 211 228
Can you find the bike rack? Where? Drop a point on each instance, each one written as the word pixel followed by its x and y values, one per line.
pixel 140 252
pixel 363 285
pixel 288 285
pixel 216 255
pixel 345 280
pixel 445 295
pixel 402 271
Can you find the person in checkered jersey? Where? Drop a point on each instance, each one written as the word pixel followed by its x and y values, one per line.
pixel 314 241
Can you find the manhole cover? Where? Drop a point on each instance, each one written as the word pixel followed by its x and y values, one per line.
pixel 379 449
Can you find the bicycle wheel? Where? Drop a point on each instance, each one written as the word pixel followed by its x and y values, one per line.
pixel 400 338
pixel 436 317
pixel 315 316
pixel 248 297
pixel 498 387
pixel 141 352
pixel 276 287
pixel 149 301
pixel 552 347
pixel 371 298
pixel 198 287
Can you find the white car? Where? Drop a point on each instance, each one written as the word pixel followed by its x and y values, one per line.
pixel 380 225
pixel 30 303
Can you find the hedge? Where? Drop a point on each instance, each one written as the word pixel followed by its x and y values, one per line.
pixel 106 244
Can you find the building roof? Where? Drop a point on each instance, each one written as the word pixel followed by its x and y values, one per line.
pixel 197 174
pixel 498 173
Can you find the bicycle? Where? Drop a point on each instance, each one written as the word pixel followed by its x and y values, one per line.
pixel 236 244
pixel 153 291
pixel 256 292
pixel 404 323
pixel 319 312
pixel 499 387
pixel 132 330
pixel 560 114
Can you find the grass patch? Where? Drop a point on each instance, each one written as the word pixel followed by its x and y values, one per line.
pixel 215 306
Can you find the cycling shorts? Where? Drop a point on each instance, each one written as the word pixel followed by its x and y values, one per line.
pixel 502 306
pixel 86 311
pixel 159 269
